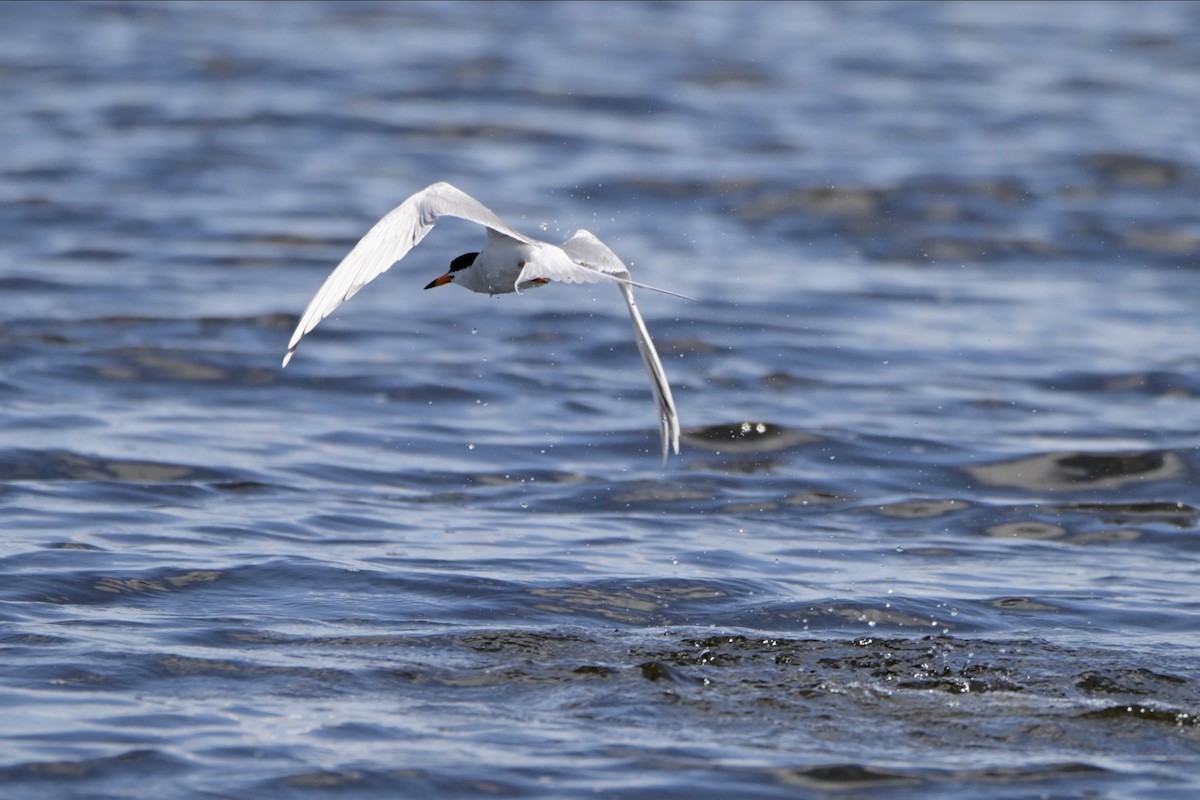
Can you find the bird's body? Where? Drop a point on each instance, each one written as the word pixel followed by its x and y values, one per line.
pixel 496 269
pixel 508 262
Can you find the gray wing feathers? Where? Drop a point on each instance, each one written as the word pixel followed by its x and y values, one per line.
pixel 588 251
pixel 581 259
pixel 599 264
pixel 667 417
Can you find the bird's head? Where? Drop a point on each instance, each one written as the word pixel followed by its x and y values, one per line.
pixel 460 263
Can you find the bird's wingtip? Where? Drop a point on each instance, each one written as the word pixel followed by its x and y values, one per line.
pixel 288 357
pixel 670 439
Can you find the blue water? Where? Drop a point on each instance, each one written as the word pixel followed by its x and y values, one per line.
pixel 933 529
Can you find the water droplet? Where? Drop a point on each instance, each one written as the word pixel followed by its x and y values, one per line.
pixel 471 447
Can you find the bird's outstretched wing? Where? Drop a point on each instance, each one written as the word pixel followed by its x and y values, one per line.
pixel 593 256
pixel 389 241
pixel 586 250
pixel 588 261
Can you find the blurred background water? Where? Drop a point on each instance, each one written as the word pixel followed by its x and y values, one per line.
pixel 933 531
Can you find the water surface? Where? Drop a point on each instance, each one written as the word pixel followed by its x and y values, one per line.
pixel 933 529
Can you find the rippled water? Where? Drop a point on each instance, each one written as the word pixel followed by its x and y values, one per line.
pixel 933 532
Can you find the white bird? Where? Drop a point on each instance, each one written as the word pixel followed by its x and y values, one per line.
pixel 509 262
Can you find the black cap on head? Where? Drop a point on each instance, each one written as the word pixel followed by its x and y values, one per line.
pixel 463 261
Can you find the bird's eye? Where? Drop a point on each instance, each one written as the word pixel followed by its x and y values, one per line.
pixel 463 261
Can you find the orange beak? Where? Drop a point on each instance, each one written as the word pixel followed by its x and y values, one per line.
pixel 441 280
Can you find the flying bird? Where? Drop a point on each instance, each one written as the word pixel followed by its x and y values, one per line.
pixel 509 262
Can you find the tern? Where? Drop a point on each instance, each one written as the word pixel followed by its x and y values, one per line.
pixel 509 262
